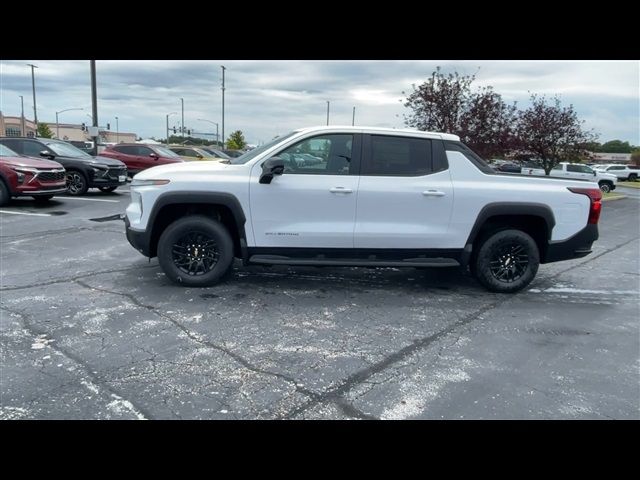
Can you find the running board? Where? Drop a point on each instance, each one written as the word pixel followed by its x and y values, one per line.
pixel 354 262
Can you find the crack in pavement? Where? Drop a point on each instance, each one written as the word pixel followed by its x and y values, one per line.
pixel 360 376
pixel 75 278
pixel 95 379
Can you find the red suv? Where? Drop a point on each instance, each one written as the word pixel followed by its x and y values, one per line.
pixel 140 156
pixel 25 176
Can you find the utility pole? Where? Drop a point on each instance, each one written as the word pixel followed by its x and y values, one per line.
pixel 22 125
pixel 117 131
pixel 223 69
pixel 94 104
pixel 33 86
pixel 182 127
pixel 168 115
pixel 353 118
pixel 327 112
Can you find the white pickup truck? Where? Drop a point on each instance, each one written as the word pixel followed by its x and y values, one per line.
pixel 577 171
pixel 377 197
pixel 622 172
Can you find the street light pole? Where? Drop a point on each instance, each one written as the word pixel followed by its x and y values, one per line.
pixel 182 126
pixel 214 123
pixel 327 112
pixel 117 131
pixel 33 86
pixel 168 114
pixel 353 118
pixel 94 104
pixel 22 125
pixel 223 69
pixel 58 125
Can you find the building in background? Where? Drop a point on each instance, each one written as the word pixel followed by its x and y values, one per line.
pixel 14 127
pixel 76 133
pixel 597 157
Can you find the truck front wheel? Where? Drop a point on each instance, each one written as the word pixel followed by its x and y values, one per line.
pixel 507 261
pixel 195 251
pixel 605 187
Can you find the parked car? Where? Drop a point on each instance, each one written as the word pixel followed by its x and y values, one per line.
pixel 82 170
pixel 383 197
pixel 622 172
pixel 216 153
pixel 138 156
pixel 233 153
pixel 24 176
pixel 193 153
pixel 509 168
pixel 577 171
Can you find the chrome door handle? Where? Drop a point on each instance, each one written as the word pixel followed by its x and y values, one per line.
pixel 433 193
pixel 340 190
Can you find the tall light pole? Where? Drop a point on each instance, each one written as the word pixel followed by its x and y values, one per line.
pixel 58 125
pixel 223 69
pixel 182 126
pixel 214 123
pixel 353 118
pixel 22 126
pixel 117 131
pixel 33 86
pixel 94 105
pixel 169 114
pixel 327 112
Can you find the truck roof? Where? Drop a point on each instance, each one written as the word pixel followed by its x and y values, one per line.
pixel 392 131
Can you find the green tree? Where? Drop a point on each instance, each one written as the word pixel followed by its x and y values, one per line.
pixel 551 133
pixel 236 141
pixel 44 131
pixel 635 157
pixel 616 146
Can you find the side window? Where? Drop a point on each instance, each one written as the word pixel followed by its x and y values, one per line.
pixel 586 169
pixel 33 149
pixel 127 149
pixel 322 155
pixel 187 153
pixel 557 167
pixel 14 145
pixel 574 168
pixel 144 151
pixel 398 156
pixel 617 168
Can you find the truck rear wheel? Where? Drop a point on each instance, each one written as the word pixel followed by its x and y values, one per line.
pixel 605 187
pixel 507 261
pixel 633 177
pixel 195 251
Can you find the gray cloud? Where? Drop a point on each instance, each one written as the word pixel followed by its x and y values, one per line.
pixel 267 98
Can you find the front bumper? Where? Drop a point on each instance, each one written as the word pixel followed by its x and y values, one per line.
pixel 36 193
pixel 576 246
pixel 138 240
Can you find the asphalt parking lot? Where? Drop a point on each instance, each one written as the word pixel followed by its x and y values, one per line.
pixel 93 330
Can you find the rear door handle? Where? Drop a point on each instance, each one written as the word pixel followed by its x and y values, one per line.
pixel 340 190
pixel 433 193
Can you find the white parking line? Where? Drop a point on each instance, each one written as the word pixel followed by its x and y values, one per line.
pixel 90 199
pixel 25 213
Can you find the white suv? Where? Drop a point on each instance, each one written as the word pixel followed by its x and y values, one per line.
pixel 373 197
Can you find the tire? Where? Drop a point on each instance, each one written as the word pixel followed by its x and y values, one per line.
pixel 633 177
pixel 184 239
pixel 605 187
pixel 107 189
pixel 521 255
pixel 4 194
pixel 76 183
pixel 43 198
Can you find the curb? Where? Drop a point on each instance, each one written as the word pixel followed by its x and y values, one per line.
pixel 614 198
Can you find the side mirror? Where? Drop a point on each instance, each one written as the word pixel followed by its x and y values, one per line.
pixel 594 173
pixel 198 155
pixel 47 153
pixel 273 166
pixel 154 156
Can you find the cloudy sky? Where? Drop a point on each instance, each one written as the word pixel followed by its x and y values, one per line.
pixel 268 98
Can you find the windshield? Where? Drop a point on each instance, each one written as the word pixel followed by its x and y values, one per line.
pixel 66 149
pixel 165 152
pixel 257 151
pixel 217 153
pixel 7 152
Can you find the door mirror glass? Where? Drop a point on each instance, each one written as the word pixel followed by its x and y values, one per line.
pixel 154 155
pixel 47 153
pixel 273 166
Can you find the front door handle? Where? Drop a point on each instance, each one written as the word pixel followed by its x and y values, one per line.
pixel 433 193
pixel 340 190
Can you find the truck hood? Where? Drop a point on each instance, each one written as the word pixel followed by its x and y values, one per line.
pixel 187 168
pixel 29 162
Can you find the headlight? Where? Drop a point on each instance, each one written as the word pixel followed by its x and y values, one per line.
pixel 143 183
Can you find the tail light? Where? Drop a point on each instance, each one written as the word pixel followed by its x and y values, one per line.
pixel 595 196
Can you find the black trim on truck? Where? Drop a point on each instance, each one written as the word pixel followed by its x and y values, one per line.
pixel 142 240
pixel 577 246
